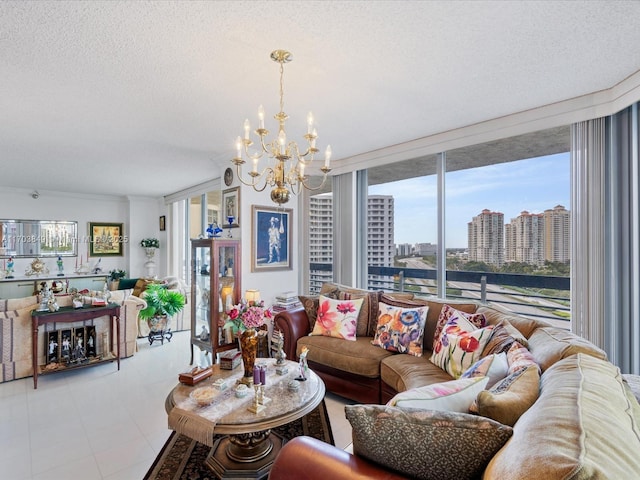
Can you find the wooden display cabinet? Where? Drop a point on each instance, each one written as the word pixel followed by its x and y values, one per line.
pixel 215 275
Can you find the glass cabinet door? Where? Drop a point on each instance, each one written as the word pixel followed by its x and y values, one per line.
pixel 215 287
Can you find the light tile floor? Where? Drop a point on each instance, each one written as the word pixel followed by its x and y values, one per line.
pixel 98 423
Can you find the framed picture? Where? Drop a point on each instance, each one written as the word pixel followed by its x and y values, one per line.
pixel 66 344
pixel 105 239
pixel 270 238
pixel 163 223
pixel 53 346
pixel 231 208
pixel 91 341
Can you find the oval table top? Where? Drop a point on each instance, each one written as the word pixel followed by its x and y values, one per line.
pixel 228 414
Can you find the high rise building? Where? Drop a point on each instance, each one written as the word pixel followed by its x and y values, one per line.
pixel 524 239
pixel 380 234
pixel 557 234
pixel 320 238
pixel 486 238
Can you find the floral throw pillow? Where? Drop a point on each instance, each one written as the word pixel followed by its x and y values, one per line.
pixel 459 346
pixel 453 396
pixel 337 318
pixel 519 357
pixel 448 312
pixel 494 366
pixel 400 329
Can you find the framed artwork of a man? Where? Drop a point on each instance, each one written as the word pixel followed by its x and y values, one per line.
pixel 271 238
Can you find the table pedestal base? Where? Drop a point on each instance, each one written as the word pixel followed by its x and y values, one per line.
pixel 247 456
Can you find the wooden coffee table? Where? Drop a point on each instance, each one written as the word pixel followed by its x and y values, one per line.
pixel 248 447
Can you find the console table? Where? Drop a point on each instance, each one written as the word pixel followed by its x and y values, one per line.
pixel 68 315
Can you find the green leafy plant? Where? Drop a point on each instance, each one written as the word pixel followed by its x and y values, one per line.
pixel 150 243
pixel 161 301
pixel 117 274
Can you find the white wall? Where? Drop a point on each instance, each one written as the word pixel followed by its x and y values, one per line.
pixel 139 216
pixel 269 283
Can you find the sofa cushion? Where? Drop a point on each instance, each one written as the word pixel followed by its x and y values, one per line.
pixel 452 396
pixel 550 344
pixel 337 318
pixel 140 286
pixel 368 311
pixel 16 344
pixel 448 313
pixel 494 366
pixel 499 342
pixel 589 422
pixel 127 283
pixel 510 397
pixel 519 357
pixel 459 345
pixel 425 444
pixel 402 372
pixel 435 309
pixel 359 357
pixel 400 329
pixel 518 326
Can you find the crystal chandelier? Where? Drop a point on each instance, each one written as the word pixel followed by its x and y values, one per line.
pixel 286 163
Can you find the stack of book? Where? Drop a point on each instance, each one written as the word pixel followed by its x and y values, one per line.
pixel 286 301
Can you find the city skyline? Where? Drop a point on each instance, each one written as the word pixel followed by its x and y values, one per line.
pixel 534 185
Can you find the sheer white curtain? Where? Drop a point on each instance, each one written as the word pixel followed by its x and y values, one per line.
pixel 605 206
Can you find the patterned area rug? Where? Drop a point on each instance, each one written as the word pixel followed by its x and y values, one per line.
pixel 183 459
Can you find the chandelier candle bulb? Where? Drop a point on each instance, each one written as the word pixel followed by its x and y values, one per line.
pixel 313 138
pixel 261 116
pixel 309 122
pixel 254 169
pixel 239 147
pixel 327 156
pixel 247 128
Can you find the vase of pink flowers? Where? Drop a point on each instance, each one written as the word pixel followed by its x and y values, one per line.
pixel 244 320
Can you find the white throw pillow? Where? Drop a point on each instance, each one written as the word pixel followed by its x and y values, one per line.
pixel 453 396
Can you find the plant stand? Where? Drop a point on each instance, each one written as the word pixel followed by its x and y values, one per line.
pixel 161 335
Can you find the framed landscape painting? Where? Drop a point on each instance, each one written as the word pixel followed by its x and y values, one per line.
pixel 105 239
pixel 271 238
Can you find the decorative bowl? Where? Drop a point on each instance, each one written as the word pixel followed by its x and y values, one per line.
pixel 242 390
pixel 203 396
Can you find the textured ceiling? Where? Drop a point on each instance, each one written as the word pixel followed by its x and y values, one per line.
pixel 146 98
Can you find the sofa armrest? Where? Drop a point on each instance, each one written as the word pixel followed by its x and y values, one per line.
pixel 294 324
pixel 304 458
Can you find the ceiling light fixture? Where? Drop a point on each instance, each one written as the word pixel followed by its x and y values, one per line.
pixel 284 176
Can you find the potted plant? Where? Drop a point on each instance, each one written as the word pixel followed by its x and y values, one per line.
pixel 150 243
pixel 161 304
pixel 114 278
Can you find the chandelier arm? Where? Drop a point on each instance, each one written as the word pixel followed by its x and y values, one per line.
pixel 254 183
pixel 306 185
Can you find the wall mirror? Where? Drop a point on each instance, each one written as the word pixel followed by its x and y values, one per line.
pixel 38 238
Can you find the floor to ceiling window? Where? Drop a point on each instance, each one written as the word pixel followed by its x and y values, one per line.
pixel 505 218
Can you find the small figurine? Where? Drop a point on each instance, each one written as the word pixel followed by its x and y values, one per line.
pixel 302 365
pixel 45 295
pixel 278 345
pixel 52 304
pixel 214 230
pixel 10 268
pixel 60 266
pixel 204 334
pixel 97 269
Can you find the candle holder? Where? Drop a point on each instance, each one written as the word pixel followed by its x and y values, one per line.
pixel 256 407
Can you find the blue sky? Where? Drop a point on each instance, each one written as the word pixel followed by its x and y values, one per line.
pixel 534 185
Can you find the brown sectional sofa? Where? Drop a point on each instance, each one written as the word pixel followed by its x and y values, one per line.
pixel 584 424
